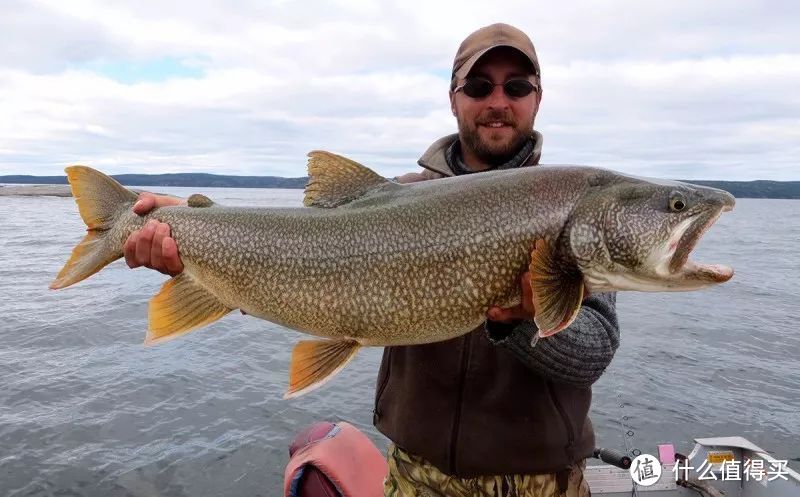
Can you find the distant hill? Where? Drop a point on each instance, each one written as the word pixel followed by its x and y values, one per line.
pixel 740 189
pixel 755 189
pixel 180 179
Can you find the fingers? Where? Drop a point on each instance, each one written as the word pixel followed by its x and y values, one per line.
pixel 498 314
pixel 145 203
pixel 166 201
pixel 148 201
pixel 153 247
pixel 129 250
pixel 171 261
pixel 161 232
pixel 506 315
pixel 144 243
pixel 524 310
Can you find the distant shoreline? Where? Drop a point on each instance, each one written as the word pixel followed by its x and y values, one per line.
pixel 179 179
pixel 35 191
pixel 39 191
pixel 57 185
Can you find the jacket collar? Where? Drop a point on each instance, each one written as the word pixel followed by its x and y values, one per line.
pixel 434 158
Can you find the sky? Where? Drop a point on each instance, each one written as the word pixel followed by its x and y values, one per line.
pixel 681 89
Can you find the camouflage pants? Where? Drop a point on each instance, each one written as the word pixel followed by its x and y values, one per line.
pixel 411 476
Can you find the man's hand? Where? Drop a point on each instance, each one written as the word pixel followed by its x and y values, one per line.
pixel 152 245
pixel 523 311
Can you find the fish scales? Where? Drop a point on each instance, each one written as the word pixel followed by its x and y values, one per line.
pixel 421 266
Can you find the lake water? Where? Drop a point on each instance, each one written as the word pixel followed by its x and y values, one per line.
pixel 86 409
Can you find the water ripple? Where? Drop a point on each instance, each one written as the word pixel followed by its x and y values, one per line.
pixel 86 409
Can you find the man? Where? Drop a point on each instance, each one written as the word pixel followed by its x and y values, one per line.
pixel 484 414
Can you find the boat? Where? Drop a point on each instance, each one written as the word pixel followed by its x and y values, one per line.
pixel 337 460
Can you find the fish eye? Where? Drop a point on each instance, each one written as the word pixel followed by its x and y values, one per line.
pixel 676 203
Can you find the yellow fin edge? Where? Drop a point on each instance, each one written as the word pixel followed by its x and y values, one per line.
pixel 314 362
pixel 182 305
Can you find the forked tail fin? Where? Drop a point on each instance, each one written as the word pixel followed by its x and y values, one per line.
pixel 101 200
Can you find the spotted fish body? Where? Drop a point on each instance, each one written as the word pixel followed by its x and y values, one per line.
pixel 369 262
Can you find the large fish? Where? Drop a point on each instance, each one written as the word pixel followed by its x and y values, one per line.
pixel 372 262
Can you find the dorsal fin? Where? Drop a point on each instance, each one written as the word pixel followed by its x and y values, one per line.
pixel 334 180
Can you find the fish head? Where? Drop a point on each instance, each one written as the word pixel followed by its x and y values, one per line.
pixel 631 233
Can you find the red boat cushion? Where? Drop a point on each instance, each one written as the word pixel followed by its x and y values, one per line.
pixel 334 460
pixel 313 483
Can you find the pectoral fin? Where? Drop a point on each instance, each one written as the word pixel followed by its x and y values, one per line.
pixel 557 290
pixel 316 361
pixel 181 306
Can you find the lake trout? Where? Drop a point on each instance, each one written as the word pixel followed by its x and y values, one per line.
pixel 370 262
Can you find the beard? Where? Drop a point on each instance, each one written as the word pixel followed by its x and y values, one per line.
pixel 496 150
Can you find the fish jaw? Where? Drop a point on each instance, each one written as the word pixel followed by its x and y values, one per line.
pixel 696 277
pixel 668 267
pixel 693 274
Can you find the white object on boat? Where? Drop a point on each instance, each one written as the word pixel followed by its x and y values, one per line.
pixel 706 460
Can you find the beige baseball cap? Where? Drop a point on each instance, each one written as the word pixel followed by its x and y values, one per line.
pixel 487 38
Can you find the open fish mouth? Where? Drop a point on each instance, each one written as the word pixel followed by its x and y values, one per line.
pixel 681 265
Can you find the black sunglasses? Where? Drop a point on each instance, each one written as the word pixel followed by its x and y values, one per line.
pixel 476 87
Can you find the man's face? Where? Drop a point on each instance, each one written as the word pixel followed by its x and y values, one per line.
pixel 494 128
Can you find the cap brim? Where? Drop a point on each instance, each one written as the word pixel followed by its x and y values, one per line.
pixel 466 67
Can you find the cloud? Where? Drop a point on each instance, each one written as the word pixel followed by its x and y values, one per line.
pixel 683 90
pixel 734 117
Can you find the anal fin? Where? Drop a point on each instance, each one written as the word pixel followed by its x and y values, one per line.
pixel 557 290
pixel 181 306
pixel 314 362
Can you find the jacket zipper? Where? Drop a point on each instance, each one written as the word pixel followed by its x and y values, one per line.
pixel 465 351
pixel 570 433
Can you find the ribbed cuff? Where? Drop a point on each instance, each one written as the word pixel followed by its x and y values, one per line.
pixel 576 355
